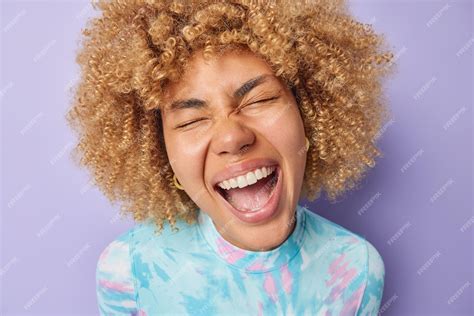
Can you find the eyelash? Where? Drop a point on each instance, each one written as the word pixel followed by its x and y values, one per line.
pixel 200 119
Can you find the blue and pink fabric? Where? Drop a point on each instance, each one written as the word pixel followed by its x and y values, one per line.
pixel 321 269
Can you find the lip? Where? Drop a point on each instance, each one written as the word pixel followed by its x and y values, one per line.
pixel 242 168
pixel 267 211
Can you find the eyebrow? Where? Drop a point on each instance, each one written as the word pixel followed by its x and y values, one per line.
pixel 238 94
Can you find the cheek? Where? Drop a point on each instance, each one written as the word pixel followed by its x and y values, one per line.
pixel 285 130
pixel 183 144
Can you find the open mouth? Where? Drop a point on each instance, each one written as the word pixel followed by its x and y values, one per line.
pixel 253 197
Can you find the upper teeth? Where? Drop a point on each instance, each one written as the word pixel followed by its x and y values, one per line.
pixel 247 179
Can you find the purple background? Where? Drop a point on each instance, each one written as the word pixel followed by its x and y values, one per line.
pixel 415 206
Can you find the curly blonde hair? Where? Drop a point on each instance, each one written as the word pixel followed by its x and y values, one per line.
pixel 332 63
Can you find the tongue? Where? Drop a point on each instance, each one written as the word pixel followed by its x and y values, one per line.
pixel 251 197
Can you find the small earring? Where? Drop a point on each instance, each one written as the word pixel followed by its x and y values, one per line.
pixel 307 143
pixel 176 183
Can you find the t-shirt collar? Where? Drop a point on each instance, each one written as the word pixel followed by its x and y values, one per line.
pixel 253 261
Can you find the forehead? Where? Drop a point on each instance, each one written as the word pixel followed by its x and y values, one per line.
pixel 221 73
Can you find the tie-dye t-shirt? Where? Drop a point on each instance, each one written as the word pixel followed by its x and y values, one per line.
pixel 320 269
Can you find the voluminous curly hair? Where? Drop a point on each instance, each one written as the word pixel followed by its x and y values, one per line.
pixel 333 64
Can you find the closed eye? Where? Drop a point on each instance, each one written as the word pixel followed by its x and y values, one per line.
pixel 189 123
pixel 264 100
pixel 203 118
pixel 261 101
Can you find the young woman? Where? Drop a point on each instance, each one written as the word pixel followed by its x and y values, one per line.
pixel 209 121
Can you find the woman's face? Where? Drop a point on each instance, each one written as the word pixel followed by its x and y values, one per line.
pixel 225 118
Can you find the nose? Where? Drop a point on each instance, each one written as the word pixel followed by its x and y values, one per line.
pixel 232 138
